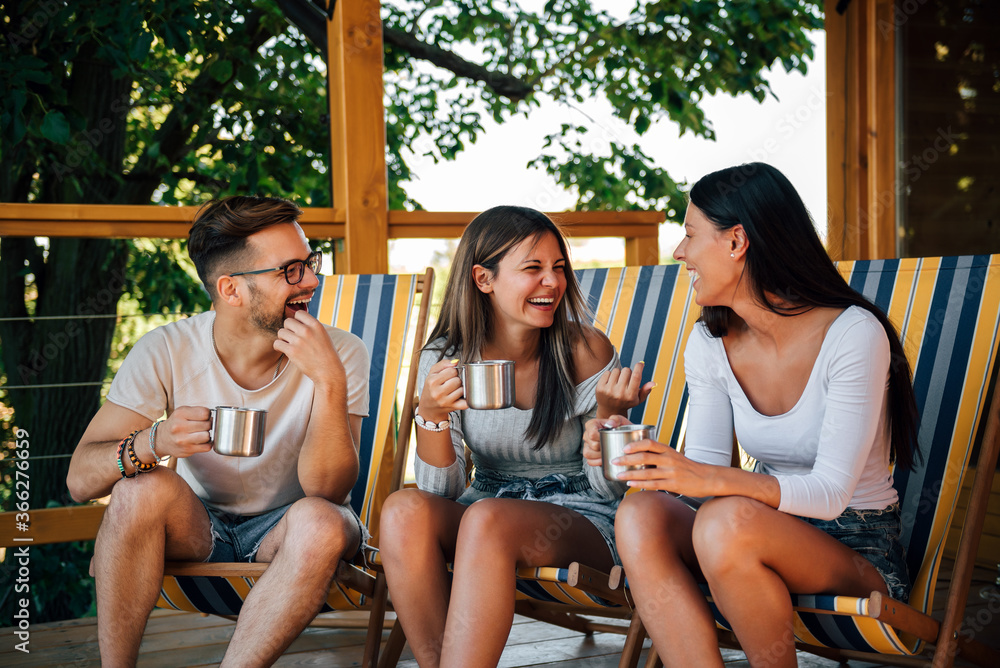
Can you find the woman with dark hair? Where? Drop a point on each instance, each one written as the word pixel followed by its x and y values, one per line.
pixel 511 295
pixel 814 382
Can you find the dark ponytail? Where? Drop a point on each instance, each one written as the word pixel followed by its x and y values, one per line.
pixel 785 258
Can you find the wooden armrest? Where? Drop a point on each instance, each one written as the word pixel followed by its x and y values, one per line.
pixel 903 617
pixel 51 525
pixel 616 578
pixel 910 620
pixel 355 578
pixel 217 569
pixel 348 574
pixel 593 581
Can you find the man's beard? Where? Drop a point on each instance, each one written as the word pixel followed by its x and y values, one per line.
pixel 259 317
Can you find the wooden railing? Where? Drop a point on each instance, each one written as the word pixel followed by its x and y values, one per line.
pixel 638 228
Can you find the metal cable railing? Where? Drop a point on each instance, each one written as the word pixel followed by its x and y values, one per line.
pixel 172 315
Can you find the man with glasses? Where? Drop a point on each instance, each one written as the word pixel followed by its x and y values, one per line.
pixel 258 348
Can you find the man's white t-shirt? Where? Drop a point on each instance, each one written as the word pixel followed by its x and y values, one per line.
pixel 177 365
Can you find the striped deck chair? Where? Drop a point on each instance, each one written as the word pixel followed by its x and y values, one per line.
pixel 380 310
pixel 647 313
pixel 947 311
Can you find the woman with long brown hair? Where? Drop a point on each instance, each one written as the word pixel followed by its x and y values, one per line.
pixel 511 295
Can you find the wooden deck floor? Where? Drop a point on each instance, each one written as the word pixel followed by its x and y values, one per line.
pixel 176 639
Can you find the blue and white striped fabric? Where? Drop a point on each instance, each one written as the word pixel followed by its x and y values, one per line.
pixel 947 311
pixel 647 312
pixel 378 309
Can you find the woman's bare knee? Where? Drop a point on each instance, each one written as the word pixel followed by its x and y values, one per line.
pixel 401 510
pixel 413 521
pixel 493 528
pixel 725 533
pixel 649 518
pixel 483 524
pixel 529 533
pixel 404 512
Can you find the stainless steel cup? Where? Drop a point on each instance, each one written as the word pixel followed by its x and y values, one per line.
pixel 613 442
pixel 238 432
pixel 489 385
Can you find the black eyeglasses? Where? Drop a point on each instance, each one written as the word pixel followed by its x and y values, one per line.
pixel 295 270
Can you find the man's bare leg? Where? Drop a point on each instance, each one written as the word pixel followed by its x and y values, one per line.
pixel 149 517
pixel 304 550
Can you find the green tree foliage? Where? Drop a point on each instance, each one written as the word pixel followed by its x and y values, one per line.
pixel 179 101
pixel 655 65
pixel 129 103
pixel 106 103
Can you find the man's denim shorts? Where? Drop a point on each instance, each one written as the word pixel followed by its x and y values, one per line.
pixel 238 537
pixel 874 534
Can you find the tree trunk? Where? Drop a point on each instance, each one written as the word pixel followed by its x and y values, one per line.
pixel 79 277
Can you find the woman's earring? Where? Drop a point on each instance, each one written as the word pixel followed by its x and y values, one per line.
pixel 732 255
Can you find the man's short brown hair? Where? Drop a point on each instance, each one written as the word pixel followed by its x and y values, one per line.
pixel 219 234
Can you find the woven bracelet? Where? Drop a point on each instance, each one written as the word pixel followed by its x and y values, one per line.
pixel 134 458
pixel 121 451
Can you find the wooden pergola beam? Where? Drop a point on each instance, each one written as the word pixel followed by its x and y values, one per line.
pixel 450 224
pixel 128 221
pixel 173 222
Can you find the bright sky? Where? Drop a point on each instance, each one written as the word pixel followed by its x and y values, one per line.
pixel 788 132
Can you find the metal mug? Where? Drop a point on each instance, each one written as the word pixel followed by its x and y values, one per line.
pixel 238 432
pixel 613 442
pixel 489 385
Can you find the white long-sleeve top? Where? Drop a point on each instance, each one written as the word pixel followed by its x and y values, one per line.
pixel 831 450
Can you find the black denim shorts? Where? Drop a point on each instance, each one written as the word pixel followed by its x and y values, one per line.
pixel 875 535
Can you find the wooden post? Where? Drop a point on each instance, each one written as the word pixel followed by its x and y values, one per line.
pixel 836 132
pixel 642 251
pixel 357 135
pixel 861 130
pixel 883 181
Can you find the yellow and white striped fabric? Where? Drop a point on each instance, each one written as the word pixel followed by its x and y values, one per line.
pixel 378 309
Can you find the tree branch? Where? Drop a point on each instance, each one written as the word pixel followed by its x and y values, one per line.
pixel 506 85
pixel 309 19
pixel 174 132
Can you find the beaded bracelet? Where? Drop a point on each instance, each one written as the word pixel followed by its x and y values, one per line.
pixel 443 425
pixel 121 451
pixel 134 458
pixel 152 443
